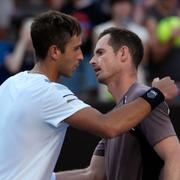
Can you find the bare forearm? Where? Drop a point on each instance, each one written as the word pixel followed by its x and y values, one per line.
pixel 171 170
pixel 14 60
pixel 122 118
pixel 96 171
pixel 84 174
pixel 169 149
pixel 128 116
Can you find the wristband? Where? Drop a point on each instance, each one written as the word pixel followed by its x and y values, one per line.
pixel 154 97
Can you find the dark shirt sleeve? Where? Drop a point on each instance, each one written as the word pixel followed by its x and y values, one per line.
pixel 100 148
pixel 158 126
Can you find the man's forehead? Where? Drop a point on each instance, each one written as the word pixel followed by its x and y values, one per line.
pixel 75 40
pixel 102 42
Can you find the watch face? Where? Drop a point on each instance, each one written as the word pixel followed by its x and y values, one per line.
pixel 152 94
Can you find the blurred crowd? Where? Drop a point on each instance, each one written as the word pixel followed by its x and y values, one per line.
pixel 156 22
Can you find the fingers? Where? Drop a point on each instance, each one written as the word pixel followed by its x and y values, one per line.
pixel 156 79
pixel 167 86
pixel 166 79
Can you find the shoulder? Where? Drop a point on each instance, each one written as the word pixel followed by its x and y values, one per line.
pixel 61 88
pixel 63 91
pixel 157 125
pixel 140 89
pixel 67 96
pixel 136 90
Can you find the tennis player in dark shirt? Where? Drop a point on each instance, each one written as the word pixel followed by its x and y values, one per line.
pixel 116 58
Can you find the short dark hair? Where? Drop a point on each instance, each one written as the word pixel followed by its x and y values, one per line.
pixel 120 37
pixel 53 28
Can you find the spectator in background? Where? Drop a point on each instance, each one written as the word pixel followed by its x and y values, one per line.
pixel 6 10
pixel 164 56
pixel 29 8
pixel 22 56
pixel 140 10
pixel 55 4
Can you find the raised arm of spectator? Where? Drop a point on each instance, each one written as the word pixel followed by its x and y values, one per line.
pixel 14 60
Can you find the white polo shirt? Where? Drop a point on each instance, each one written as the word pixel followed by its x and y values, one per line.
pixel 32 130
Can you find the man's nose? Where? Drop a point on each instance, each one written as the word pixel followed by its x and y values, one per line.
pixel 80 56
pixel 92 61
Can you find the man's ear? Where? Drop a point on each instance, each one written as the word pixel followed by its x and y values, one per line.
pixel 123 53
pixel 54 52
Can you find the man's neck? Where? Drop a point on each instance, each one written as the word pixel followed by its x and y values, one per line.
pixel 42 68
pixel 120 87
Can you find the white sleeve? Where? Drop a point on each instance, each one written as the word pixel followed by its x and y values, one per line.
pixel 53 177
pixel 60 103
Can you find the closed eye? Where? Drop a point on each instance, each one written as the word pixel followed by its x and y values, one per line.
pixel 77 48
pixel 99 52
